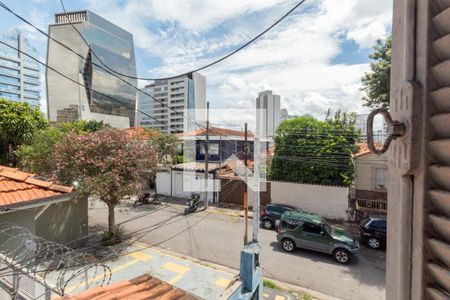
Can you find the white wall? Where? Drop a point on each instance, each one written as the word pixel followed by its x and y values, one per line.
pixel 365 166
pixel 183 184
pixel 163 183
pixel 328 201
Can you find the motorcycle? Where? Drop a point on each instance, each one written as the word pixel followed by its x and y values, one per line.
pixel 143 199
pixel 192 204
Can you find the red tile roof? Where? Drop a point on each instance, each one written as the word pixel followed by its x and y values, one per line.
pixel 141 133
pixel 21 188
pixel 364 149
pixel 142 287
pixel 215 131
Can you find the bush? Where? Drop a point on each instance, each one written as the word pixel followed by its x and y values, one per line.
pixel 270 284
pixel 113 237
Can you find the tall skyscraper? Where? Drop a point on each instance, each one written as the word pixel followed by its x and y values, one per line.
pixel 284 115
pixel 268 114
pixel 361 125
pixel 68 101
pixel 19 74
pixel 181 94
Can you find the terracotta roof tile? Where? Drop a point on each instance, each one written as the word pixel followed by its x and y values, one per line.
pixel 19 188
pixel 38 182
pixel 141 133
pixel 364 149
pixel 142 287
pixel 61 188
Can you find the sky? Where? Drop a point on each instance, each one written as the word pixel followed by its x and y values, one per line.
pixel 314 59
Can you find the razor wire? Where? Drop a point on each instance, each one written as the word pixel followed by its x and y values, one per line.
pixel 49 262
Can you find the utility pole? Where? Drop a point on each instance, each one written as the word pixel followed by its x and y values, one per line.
pixel 246 188
pixel 256 190
pixel 206 155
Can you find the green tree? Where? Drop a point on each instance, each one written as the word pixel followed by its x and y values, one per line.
pixel 19 122
pixel 82 126
pixel 376 83
pixel 166 147
pixel 39 156
pixel 311 151
pixel 108 164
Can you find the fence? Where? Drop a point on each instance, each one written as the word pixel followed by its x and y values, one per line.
pixel 369 205
pixel 18 286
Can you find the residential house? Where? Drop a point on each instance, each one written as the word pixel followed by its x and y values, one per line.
pixel 223 143
pixel 371 180
pixel 43 207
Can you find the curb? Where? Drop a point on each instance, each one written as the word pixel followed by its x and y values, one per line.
pixel 221 268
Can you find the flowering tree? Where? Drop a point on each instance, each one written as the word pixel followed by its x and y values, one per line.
pixel 107 163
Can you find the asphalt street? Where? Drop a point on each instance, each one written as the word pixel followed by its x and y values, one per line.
pixel 219 238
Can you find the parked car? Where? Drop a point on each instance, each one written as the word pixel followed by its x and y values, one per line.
pixel 373 231
pixel 309 231
pixel 271 213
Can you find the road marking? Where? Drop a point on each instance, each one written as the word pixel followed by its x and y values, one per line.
pixel 278 297
pixel 222 282
pixel 266 295
pixel 139 256
pixel 162 252
pixel 175 268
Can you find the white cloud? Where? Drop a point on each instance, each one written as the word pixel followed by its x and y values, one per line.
pixel 294 59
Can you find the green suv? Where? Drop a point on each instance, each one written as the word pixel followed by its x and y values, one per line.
pixel 309 231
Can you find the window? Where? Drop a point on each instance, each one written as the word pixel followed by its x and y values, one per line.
pixel 380 178
pixel 274 209
pixel 213 148
pixel 378 224
pixel 289 224
pixel 311 228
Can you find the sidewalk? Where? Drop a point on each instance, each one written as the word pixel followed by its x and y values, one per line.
pixel 203 279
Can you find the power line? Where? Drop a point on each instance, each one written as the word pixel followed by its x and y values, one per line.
pixel 110 255
pixel 4 6
pixel 80 84
pixel 94 233
pixel 205 66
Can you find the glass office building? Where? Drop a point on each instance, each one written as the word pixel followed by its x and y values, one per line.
pixel 99 95
pixel 19 74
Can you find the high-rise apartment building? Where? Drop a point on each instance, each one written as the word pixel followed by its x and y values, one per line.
pixel 361 125
pixel 284 115
pixel 103 97
pixel 379 130
pixel 182 94
pixel 19 74
pixel 268 114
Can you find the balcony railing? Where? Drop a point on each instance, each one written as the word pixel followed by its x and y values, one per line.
pixel 370 205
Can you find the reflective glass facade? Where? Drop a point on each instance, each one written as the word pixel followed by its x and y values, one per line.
pixel 104 97
pixel 19 74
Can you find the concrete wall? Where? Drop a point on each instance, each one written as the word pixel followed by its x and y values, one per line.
pixel 24 218
pixel 63 222
pixel 328 201
pixel 60 222
pixel 183 183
